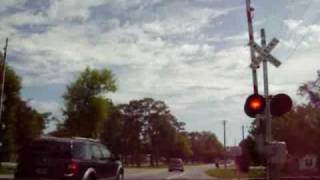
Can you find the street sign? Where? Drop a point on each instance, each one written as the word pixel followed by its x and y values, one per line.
pixel 264 53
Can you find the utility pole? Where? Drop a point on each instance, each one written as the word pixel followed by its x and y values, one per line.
pixel 3 81
pixel 224 143
pixel 249 10
pixel 242 127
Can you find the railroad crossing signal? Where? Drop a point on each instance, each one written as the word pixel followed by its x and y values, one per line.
pixel 264 54
pixel 255 104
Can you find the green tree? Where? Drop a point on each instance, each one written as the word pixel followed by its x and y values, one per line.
pixel 311 90
pixel 86 107
pixel 113 132
pixel 29 124
pixel 9 121
pixel 20 122
pixel 182 148
pixel 148 124
pixel 132 131
pixel 293 128
pixel 205 146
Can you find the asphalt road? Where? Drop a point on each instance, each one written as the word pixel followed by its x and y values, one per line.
pixel 190 173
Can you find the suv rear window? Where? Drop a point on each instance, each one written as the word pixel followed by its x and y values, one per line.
pixel 80 151
pixel 175 161
pixel 50 149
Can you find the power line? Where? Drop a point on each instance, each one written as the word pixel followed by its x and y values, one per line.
pixel 303 37
pixel 290 34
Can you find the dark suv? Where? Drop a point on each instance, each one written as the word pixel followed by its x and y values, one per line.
pixel 67 158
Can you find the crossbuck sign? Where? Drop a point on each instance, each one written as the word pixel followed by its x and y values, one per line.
pixel 264 54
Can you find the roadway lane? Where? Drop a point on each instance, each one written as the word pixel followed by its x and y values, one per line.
pixel 191 172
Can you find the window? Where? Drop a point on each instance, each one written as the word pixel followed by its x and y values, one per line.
pixel 95 152
pixel 309 162
pixel 50 149
pixel 80 151
pixel 105 152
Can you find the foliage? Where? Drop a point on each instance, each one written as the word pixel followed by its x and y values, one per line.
pixel 113 131
pixel 11 100
pixel 302 122
pixel 293 128
pixel 205 146
pixel 21 123
pixel 249 154
pixel 29 124
pixel 182 146
pixel 147 125
pixel 85 107
pixel 311 89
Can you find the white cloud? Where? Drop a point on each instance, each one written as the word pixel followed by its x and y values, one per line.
pixel 293 24
pixel 182 52
pixel 61 10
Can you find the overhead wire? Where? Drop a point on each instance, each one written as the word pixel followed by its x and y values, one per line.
pixel 303 37
pixel 290 34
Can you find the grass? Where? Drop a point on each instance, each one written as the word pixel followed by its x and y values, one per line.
pixel 5 170
pixel 148 167
pixel 233 173
pixel 161 166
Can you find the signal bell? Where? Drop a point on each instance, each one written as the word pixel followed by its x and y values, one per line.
pixel 254 105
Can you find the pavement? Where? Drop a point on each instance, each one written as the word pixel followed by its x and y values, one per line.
pixel 190 173
pixel 6 177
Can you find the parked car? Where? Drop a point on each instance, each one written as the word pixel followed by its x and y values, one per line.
pixel 67 158
pixel 175 164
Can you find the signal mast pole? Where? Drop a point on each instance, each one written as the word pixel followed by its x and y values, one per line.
pixel 267 115
pixel 249 11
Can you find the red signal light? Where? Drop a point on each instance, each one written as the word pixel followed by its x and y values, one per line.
pixel 254 105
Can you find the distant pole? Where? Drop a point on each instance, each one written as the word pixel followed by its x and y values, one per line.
pixel 224 143
pixel 242 127
pixel 3 80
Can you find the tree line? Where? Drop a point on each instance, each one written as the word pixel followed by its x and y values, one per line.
pixel 140 130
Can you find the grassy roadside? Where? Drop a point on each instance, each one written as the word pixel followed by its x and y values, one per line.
pixel 5 171
pixel 147 167
pixel 159 166
pixel 233 173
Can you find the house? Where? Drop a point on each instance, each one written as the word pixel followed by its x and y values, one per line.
pixel 233 151
pixel 308 162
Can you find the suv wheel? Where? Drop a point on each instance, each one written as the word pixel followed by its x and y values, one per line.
pixel 91 177
pixel 120 176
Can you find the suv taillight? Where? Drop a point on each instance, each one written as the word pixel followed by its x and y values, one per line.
pixel 72 168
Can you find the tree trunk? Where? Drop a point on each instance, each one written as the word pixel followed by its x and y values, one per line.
pixel 151 159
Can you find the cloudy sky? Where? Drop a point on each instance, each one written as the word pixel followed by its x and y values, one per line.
pixel 192 54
